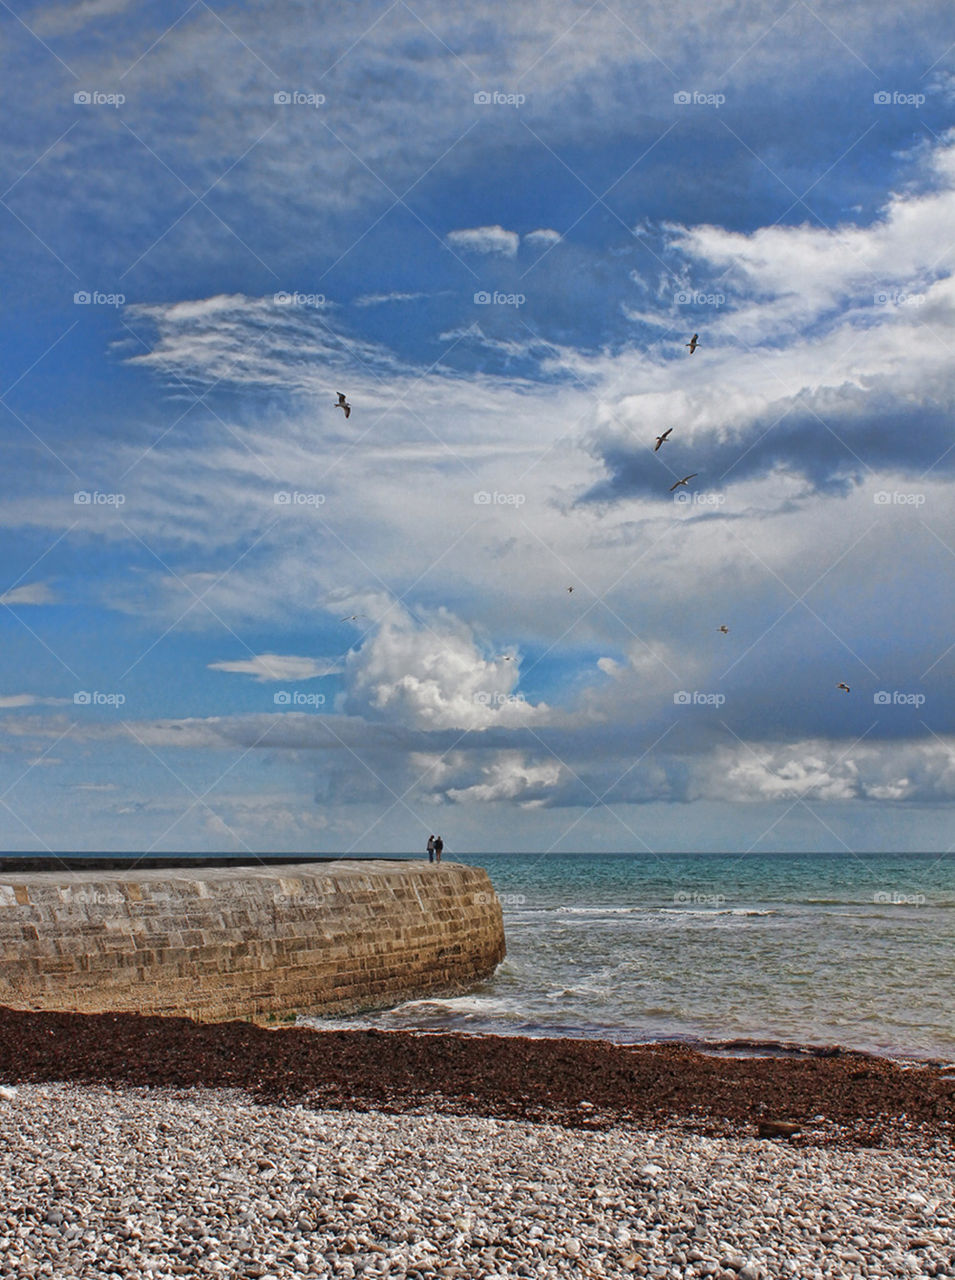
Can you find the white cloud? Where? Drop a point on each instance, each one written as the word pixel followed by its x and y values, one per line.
pixel 784 776
pixel 298 178
pixel 780 279
pixel 542 238
pixel 31 593
pixel 378 299
pixel 276 666
pixel 239 339
pixel 485 240
pixel 822 770
pixel 18 700
pixel 510 777
pixel 609 666
pixel 431 674
pixel 12 700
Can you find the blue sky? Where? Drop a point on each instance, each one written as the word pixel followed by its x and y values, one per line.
pixel 494 231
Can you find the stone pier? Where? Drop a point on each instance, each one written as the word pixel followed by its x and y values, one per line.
pixel 216 942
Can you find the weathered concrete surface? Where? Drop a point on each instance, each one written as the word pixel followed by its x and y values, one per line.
pixel 228 942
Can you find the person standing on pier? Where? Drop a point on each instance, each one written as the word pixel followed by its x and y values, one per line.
pixel 431 848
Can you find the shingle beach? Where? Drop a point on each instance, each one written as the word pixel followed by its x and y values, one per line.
pixel 118 1161
pixel 135 1183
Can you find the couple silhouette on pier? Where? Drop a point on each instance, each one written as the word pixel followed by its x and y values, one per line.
pixel 435 848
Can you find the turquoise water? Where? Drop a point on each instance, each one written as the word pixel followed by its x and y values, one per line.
pixel 852 950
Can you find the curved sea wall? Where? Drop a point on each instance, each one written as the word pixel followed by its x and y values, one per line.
pixel 219 942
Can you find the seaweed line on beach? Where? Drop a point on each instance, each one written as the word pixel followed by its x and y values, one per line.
pixel 832 1096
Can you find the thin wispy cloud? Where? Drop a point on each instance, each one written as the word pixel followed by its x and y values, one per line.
pixel 29 593
pixel 485 240
pixel 275 666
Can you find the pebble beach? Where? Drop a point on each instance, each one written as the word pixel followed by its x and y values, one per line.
pixel 159 1147
pixel 134 1182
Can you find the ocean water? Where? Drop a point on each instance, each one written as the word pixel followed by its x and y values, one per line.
pixel 855 950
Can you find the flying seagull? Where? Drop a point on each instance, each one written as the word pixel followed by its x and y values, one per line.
pixel 684 480
pixel 725 629
pixel 343 404
pixel 353 617
pixel 570 590
pixel 845 687
pixel 660 439
pixel 693 343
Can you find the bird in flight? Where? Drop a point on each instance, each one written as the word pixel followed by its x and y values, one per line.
pixel 725 629
pixel 660 439
pixel 343 404
pixel 693 343
pixel 683 481
pixel 570 590
pixel 842 686
pixel 353 617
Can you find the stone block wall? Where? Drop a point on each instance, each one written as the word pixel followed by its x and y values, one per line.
pixel 218 943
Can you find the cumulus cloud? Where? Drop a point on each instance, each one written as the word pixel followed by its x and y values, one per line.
pixel 828 357
pixel 778 279
pixel 432 674
pixel 277 666
pixel 485 240
pixel 510 776
pixel 820 770
pixel 542 238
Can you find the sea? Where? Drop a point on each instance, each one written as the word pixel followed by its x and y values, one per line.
pixel 774 950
